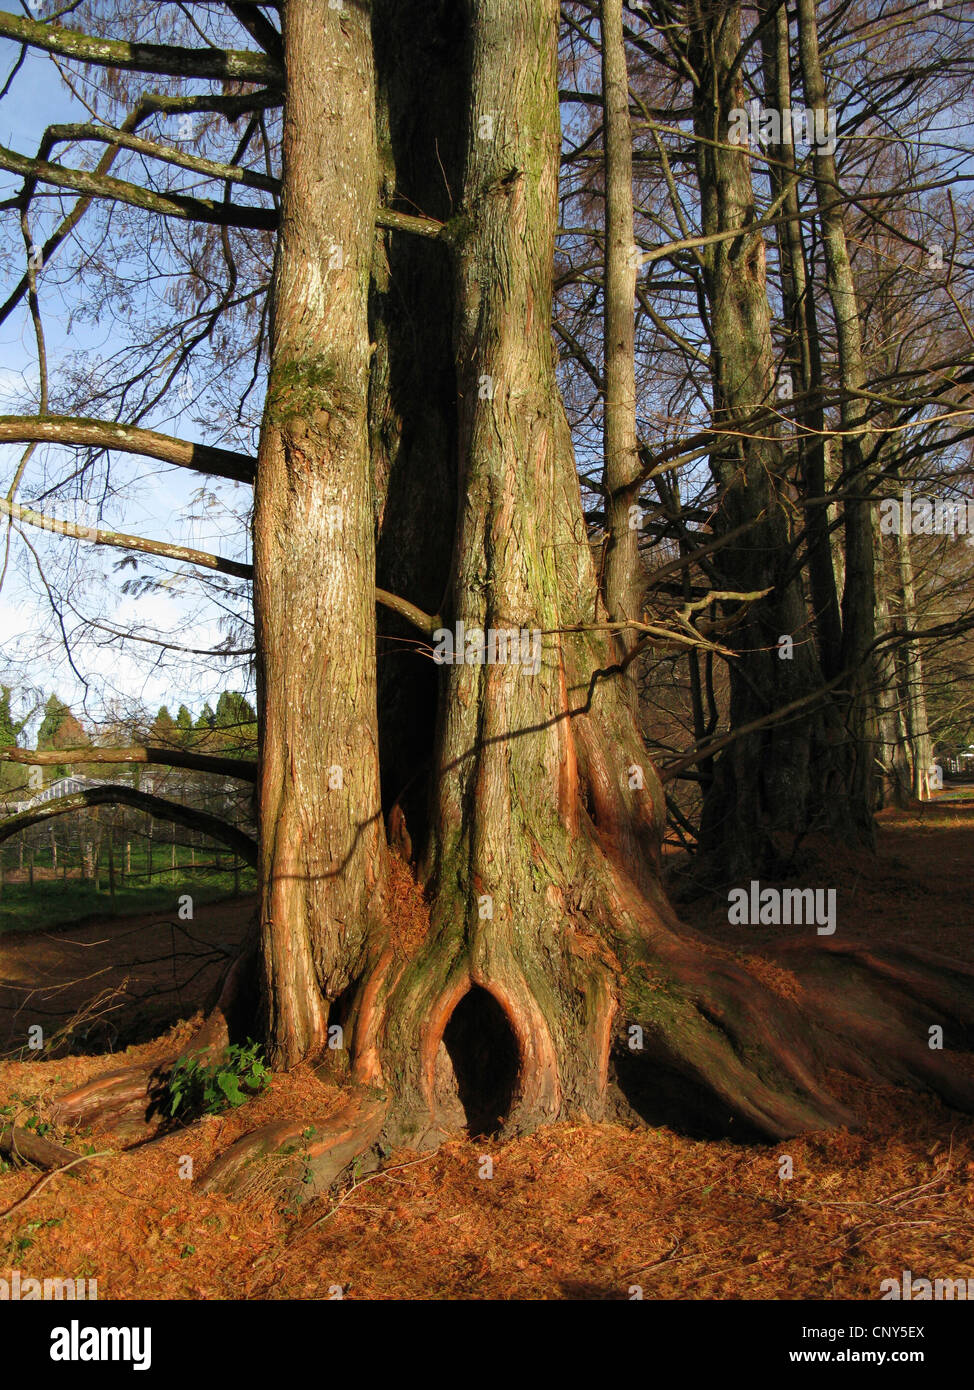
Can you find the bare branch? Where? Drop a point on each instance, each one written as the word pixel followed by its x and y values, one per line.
pixel 180 205
pixel 120 541
pixel 130 439
pixel 239 65
pixel 427 623
pixel 212 168
pixel 243 768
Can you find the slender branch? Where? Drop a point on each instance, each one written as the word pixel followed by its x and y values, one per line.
pixel 712 746
pixel 120 541
pixel 406 222
pixel 42 1182
pixel 243 768
pixel 212 168
pixel 427 623
pixel 260 28
pixel 180 205
pixel 229 106
pixel 239 65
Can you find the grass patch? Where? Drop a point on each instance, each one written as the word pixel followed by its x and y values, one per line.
pixel 63 902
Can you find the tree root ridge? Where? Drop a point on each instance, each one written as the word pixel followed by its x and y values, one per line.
pixel 313 1157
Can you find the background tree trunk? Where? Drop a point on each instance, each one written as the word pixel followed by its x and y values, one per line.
pixel 859 593
pixel 623 576
pixel 788 775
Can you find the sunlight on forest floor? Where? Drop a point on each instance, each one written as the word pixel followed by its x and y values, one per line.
pixel 574 1211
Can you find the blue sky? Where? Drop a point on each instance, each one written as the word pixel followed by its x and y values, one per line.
pixel 154 499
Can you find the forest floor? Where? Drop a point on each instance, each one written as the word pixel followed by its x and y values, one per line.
pixel 112 976
pixel 573 1212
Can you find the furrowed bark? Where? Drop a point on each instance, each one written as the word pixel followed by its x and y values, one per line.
pixel 547 933
pixel 320 827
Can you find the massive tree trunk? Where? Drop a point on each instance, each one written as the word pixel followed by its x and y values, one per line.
pixel 319 815
pixel 543 975
pixel 535 971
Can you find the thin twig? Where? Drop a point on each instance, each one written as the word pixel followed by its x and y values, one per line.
pixel 22 1201
pixel 371 1178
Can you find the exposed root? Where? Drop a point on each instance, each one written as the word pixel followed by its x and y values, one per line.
pixel 893 1015
pixel 131 1095
pixel 128 1098
pixel 33 1148
pixel 731 1050
pixel 317 1155
pixel 728 1053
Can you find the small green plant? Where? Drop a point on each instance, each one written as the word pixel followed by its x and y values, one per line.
pixel 200 1087
pixel 24 1239
pixel 36 1123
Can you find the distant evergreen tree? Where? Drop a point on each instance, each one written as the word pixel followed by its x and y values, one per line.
pixel 233 710
pixel 60 729
pixel 11 774
pixel 163 728
pixel 9 730
pixel 207 719
pixel 55 712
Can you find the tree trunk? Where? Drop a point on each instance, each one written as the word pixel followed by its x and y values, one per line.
pixel 803 350
pixel 919 742
pixel 541 974
pixel 320 826
pixel 535 970
pixel 790 775
pixel 859 594
pixel 623 576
